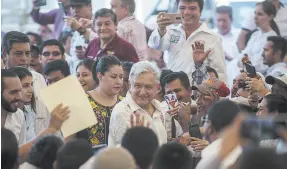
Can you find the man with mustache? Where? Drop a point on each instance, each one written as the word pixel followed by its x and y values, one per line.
pixel 109 43
pixel 12 117
pixel 178 41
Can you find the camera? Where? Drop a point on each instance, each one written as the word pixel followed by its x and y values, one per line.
pixel 262 129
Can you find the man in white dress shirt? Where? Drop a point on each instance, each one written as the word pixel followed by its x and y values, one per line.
pixel 16 47
pixel 227 33
pixel 144 83
pixel 12 117
pixel 129 28
pixel 177 40
pixel 273 54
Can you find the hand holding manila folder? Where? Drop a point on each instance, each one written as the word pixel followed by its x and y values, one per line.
pixel 69 92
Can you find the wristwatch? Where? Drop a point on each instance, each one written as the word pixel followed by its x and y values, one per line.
pixel 82 30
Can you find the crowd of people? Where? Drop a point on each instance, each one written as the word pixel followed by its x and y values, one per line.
pixel 218 102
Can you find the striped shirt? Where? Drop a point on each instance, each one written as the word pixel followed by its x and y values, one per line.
pixel 131 30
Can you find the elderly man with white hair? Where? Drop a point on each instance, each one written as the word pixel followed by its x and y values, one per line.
pixel 144 83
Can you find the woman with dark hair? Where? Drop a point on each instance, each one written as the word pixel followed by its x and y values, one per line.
pixel 108 72
pixel 84 74
pixel 28 100
pixel 264 18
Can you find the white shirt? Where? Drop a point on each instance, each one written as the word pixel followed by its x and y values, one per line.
pixel 277 69
pixel 16 123
pixel 213 149
pixel 30 119
pixel 120 120
pixel 180 50
pixel 131 30
pixel 280 19
pixel 229 42
pixel 43 115
pixel 254 49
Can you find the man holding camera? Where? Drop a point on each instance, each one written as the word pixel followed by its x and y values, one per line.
pixel 55 16
pixel 178 40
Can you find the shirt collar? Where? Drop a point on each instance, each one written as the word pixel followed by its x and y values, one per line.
pixel 202 28
pixel 109 45
pixel 134 106
pixel 280 64
pixel 128 18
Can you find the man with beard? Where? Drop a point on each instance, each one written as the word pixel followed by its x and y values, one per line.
pixel 16 48
pixel 12 117
pixel 273 54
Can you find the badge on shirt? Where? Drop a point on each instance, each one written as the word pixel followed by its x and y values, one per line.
pixel 110 52
pixel 174 39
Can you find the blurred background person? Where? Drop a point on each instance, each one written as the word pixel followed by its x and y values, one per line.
pixel 55 17
pixel 128 27
pixel 249 25
pixel 45 32
pixel 34 38
pixel 85 75
pixel 228 34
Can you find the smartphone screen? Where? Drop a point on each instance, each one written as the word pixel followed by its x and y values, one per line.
pixel 61 6
pixel 250 69
pixel 194 131
pixel 39 3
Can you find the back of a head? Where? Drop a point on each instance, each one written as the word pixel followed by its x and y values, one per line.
pixel 44 151
pixel 222 113
pixel 142 143
pixel 74 154
pixel 9 149
pixel 260 158
pixel 173 156
pixel 57 65
pixel 114 158
pixel 276 103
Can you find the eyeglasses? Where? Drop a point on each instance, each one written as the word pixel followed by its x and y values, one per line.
pixel 55 53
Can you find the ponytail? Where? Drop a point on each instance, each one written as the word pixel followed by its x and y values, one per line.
pixel 275 27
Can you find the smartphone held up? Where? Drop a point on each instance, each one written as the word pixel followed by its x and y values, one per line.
pixel 176 18
pixel 39 3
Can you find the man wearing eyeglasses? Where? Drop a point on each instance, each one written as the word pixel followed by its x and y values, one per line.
pixel 51 50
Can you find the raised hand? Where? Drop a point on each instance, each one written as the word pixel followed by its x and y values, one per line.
pixel 162 23
pixel 139 120
pixel 199 55
pixel 58 116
